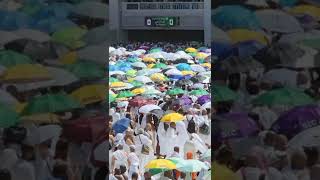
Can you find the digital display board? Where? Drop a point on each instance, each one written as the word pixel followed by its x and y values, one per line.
pixel 161 21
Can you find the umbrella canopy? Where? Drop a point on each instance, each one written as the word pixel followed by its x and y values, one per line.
pixel 139 64
pixel 7 36
pixel 43 133
pixel 236 65
pixel 283 96
pixel 9 58
pixel 239 35
pixel 147 108
pixel 184 82
pixel 191 165
pixel 143 79
pixel 306 138
pixel 278 21
pixel 204 99
pixel 199 92
pixel 97 35
pixel 50 103
pixel 70 36
pixel 172 117
pixel 138 91
pixel 8 117
pixel 183 67
pixel 175 91
pixel 125 94
pixel 32 34
pixel 121 125
pixel 223 93
pixel 306 10
pixel 95 53
pixel 26 73
pixel 38 119
pixel 92 9
pixel 233 125
pixel 90 94
pixel 158 77
pixel 297 120
pixel 86 70
pixel 220 36
pixel 234 16
pixel 160 164
pixel 139 101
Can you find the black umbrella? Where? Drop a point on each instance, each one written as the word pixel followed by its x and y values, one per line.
pixel 180 61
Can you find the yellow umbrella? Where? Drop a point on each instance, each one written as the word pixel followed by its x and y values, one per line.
pixel 158 77
pixel 191 50
pixel 69 58
pixel 117 84
pixel 149 59
pixel 172 117
pixel 187 73
pixel 90 94
pixel 26 73
pixel 239 35
pixel 206 65
pixel 138 91
pixel 160 164
pixel 47 118
pixel 150 66
pixel 306 9
pixel 201 55
pixel 19 107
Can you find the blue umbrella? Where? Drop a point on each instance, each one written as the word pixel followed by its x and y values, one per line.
pixel 287 3
pixel 183 67
pixel 246 48
pixel 53 24
pixel 58 10
pixel 14 20
pixel 121 125
pixel 122 66
pixel 221 50
pixel 234 16
pixel 113 68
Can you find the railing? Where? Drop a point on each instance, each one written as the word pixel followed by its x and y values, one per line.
pixel 162 5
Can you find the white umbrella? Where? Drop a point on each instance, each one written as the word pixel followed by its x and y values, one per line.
pixel 92 9
pixel 197 68
pixel 116 72
pixel 111 49
pixel 278 21
pixel 33 35
pixel 37 135
pixel 97 35
pixel 61 76
pixel 218 35
pixel 300 36
pixel 143 79
pixel 307 138
pixel 7 37
pixel 308 60
pixel 149 107
pixel 99 152
pixel 139 64
pixel 96 53
pixel 207 105
pixel 284 76
pixel 7 99
pixel 174 71
pixel 157 55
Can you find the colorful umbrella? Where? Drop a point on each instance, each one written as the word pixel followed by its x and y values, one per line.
pixel 160 65
pixel 199 92
pixel 8 117
pixel 175 91
pixel 86 70
pixel 183 67
pixel 50 103
pixel 223 93
pixel 70 36
pixel 9 58
pixel 138 91
pixel 90 94
pixel 121 125
pixel 125 94
pixel 160 164
pixel 172 117
pixel 147 108
pixel 158 77
pixel 136 83
pixel 191 165
pixel 240 35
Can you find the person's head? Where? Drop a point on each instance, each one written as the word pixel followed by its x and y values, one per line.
pixel 134 176
pixel 234 81
pixel 60 170
pixel 140 131
pixel 281 143
pixel 44 149
pixel 147 175
pixel 298 160
pixel 132 148
pixel 269 139
pixel 28 153
pixel 149 127
pixel 117 171
pixel 191 127
pixel 123 169
pixel 173 125
pixel 168 174
pixel 189 155
pixel 312 155
pixel 5 174
pixel 176 149
pixel 224 156
pixel 182 175
pixel 119 147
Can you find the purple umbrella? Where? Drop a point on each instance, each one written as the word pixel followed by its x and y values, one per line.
pixel 233 125
pixel 184 101
pixel 204 99
pixel 144 47
pixel 297 120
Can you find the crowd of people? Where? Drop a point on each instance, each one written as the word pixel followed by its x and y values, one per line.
pixel 160 111
pixel 265 121
pixel 52 90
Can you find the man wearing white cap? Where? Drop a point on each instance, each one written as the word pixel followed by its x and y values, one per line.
pixel 133 161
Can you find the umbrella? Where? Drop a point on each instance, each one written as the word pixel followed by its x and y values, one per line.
pixel 160 65
pixel 278 21
pixel 306 10
pixel 197 68
pixel 97 35
pixel 70 36
pixel 121 125
pixel 191 50
pixel 11 20
pixel 175 91
pixel 160 164
pixel 95 53
pixel 183 67
pixel 7 36
pixel 117 84
pixel 138 91
pixel 139 64
pixel 223 93
pixel 234 16
pixel 112 98
pixel 90 94
pixel 158 77
pixel 283 96
pixel 184 100
pixel 7 99
pixel 236 65
pixel 8 117
pixel 199 92
pixel 143 79
pixel 26 73
pixel 149 60
pixel 9 58
pixel 239 35
pixel 233 125
pixel 92 9
pixel 206 105
pixel 53 24
pixel 125 94
pixel 151 92
pixel 297 120
pixel 43 133
pixel 219 35
pixel 172 117
pixel 136 83
pixel 306 138
pixel 38 119
pixel 86 70
pixel 139 101
pixel 173 72
pixel 197 78
pixel 32 34
pixel 149 107
pixel 191 165
pixel 204 99
pixel 50 103
pixel 184 82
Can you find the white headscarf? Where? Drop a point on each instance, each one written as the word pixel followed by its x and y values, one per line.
pixel 8 159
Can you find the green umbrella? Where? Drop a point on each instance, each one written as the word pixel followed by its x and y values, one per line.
pixel 175 91
pixel 155 50
pixel 131 72
pixel 86 70
pixel 132 59
pixel 136 83
pixel 8 117
pixel 30 8
pixel 223 93
pixel 50 103
pixel 193 54
pixel 70 36
pixel 111 98
pixel 10 58
pixel 313 43
pixel 283 96
pixel 125 94
pixel 199 92
pixel 112 79
pixel 160 65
